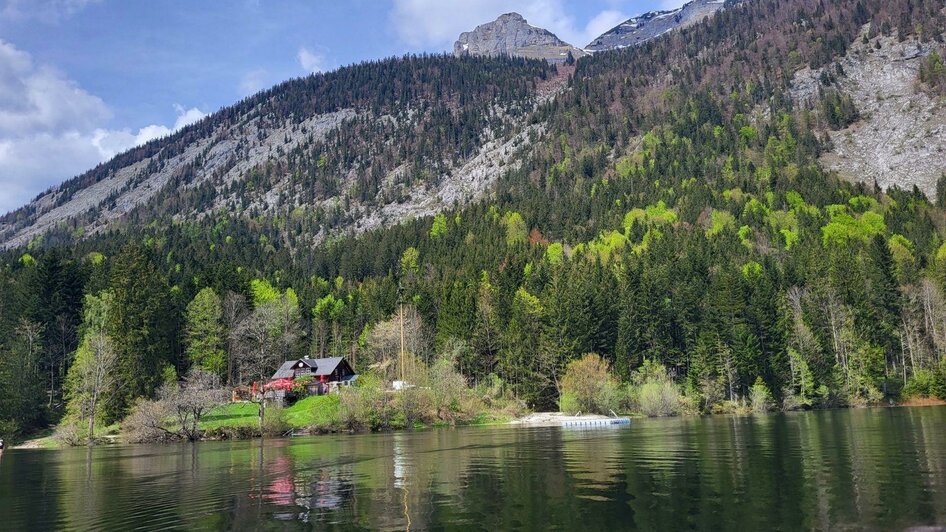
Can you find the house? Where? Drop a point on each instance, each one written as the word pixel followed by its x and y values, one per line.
pixel 327 374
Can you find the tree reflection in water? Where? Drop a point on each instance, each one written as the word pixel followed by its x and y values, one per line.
pixel 874 469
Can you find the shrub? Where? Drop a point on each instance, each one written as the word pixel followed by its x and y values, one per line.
pixel 863 393
pixel 8 429
pixel 452 400
pixel 178 410
pixel 568 403
pixel 659 398
pixel 924 383
pixel 146 422
pixel 69 433
pixel 588 386
pixel 354 405
pixel 654 392
pixel 413 406
pixel 365 406
pixel 274 421
pixel 759 397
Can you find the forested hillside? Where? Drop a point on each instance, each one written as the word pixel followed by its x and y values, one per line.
pixel 358 147
pixel 674 218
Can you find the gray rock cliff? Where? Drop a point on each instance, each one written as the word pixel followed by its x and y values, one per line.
pixel 510 34
pixel 643 28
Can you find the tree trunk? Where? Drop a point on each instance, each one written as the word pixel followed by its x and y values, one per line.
pixel 92 418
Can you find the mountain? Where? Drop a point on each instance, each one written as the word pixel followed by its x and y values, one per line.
pixel 896 132
pixel 650 25
pixel 700 211
pixel 341 152
pixel 376 144
pixel 511 35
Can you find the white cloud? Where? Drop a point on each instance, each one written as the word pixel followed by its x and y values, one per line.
pixel 51 129
pixel 603 22
pixel 667 5
pixel 311 62
pixel 112 142
pixel 253 82
pixel 39 98
pixel 424 24
pixel 50 11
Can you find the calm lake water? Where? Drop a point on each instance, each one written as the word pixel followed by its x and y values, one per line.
pixel 850 469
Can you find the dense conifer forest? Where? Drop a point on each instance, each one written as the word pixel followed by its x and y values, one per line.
pixel 675 220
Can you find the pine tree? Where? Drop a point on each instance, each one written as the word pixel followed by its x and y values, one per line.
pixel 142 325
pixel 205 333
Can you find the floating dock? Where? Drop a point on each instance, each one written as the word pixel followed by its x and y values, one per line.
pixel 582 421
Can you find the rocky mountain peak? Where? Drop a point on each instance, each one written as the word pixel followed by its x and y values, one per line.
pixel 510 34
pixel 643 28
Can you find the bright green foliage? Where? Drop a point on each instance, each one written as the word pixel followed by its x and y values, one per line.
pixel 517 232
pixel 798 204
pixel 845 228
pixel 902 251
pixel 660 214
pixel 720 220
pixel 328 308
pixel 760 397
pixel 791 238
pixel 555 253
pixel 782 220
pixel 95 258
pixel 745 236
pixel 734 194
pixel 327 314
pixel 263 292
pixel 652 235
pixel 92 384
pixel 624 167
pixel 864 204
pixel 409 261
pixel 749 134
pixel 751 269
pixel 439 226
pixel 656 214
pixel 755 208
pixel 205 332
pixel 607 245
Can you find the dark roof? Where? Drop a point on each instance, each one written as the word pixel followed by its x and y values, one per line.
pixel 327 365
pixel 287 370
pixel 320 366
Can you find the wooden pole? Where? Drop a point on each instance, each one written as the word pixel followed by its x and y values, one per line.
pixel 401 363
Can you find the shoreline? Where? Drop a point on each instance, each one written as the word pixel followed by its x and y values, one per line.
pixel 532 419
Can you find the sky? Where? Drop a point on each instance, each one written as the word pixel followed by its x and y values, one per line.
pixel 84 80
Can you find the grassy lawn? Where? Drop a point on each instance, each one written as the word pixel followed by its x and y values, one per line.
pixel 316 411
pixel 43 439
pixel 231 415
pixel 311 412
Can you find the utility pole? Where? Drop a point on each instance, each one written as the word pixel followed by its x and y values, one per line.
pixel 400 306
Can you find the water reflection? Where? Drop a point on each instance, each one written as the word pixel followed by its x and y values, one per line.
pixel 883 469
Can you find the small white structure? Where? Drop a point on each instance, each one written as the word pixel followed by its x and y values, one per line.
pixel 401 385
pixel 594 421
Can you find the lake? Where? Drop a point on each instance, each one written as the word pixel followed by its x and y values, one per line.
pixel 844 469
